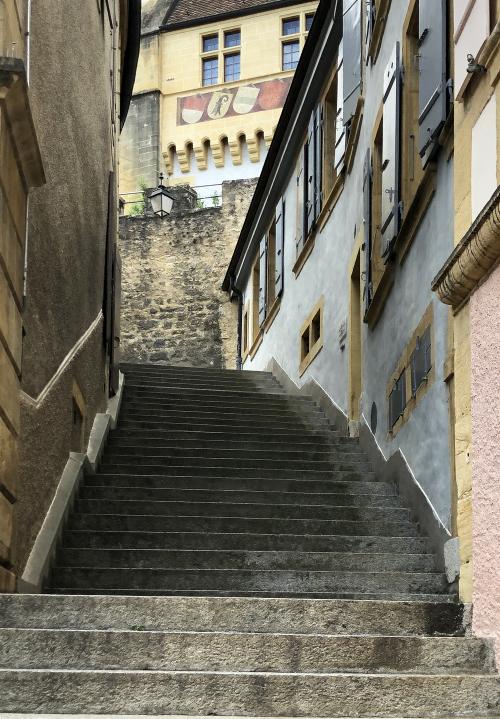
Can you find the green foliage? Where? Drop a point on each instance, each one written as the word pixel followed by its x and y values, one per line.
pixel 215 200
pixel 139 208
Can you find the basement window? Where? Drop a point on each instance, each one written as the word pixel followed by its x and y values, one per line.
pixel 397 400
pixel 421 362
pixel 311 337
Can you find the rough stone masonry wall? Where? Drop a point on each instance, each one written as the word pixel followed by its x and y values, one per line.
pixel 173 310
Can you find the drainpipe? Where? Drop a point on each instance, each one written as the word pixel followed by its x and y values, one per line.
pixel 235 292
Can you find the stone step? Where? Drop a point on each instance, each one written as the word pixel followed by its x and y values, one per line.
pixel 240 525
pixel 240 559
pixel 244 416
pixel 129 369
pixel 167 509
pixel 199 540
pixel 253 693
pixel 210 390
pixel 224 400
pixel 138 435
pixel 229 496
pixel 300 616
pixel 271 450
pixel 347 483
pixel 218 440
pixel 241 580
pixel 337 470
pixel 256 384
pixel 196 422
pixel 234 652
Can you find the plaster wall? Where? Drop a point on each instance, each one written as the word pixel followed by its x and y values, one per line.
pixel 425 438
pixel 74 83
pixel 485 394
pixel 173 309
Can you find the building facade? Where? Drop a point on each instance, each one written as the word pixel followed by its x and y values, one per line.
pixel 469 283
pixel 59 267
pixel 348 226
pixel 210 87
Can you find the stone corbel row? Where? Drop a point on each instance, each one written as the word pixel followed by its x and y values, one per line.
pixel 472 259
pixel 200 152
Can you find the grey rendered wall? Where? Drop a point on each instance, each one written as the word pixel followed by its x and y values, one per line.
pixel 424 440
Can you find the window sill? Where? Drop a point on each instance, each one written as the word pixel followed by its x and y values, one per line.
pixel 331 201
pixel 378 30
pixel 309 358
pixel 354 133
pixel 304 254
pixel 273 312
pixel 372 314
pixel 416 211
pixel 256 344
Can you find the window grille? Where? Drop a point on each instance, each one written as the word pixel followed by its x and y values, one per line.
pixel 397 400
pixel 421 361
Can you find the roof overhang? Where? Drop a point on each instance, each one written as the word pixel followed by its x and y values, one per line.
pixel 313 69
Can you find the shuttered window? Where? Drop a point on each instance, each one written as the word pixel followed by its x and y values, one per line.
pixel 367 222
pixel 262 280
pixel 340 133
pixel 391 148
pixel 421 361
pixel 433 93
pixel 313 172
pixel 397 400
pixel 299 220
pixel 352 57
pixel 279 248
pixel 369 22
pixel 310 176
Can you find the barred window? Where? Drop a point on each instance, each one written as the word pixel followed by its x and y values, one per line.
pixel 397 399
pixel 421 361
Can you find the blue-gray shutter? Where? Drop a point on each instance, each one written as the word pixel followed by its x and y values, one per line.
pixel 391 144
pixel 352 56
pixel 310 176
pixel 280 244
pixel 367 222
pixel 433 95
pixel 299 219
pixel 262 280
pixel 339 123
pixel 318 161
pixel 370 10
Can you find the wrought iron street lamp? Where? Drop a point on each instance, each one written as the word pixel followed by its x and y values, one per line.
pixel 161 200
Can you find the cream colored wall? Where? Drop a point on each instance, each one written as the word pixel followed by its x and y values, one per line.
pixel 171 62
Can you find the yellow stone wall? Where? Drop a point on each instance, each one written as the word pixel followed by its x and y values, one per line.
pixel 467 112
pixel 171 63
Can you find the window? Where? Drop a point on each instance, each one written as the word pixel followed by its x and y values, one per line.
pixel 255 300
pixel 309 182
pixel 412 170
pixel 291 26
pixel 210 43
pixel 330 133
pixel 372 214
pixel 311 337
pixel 232 67
pixel 397 400
pixel 291 55
pixel 232 38
pixel 309 21
pixel 420 361
pixel 210 66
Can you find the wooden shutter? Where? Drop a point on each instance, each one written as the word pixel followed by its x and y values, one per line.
pixel 352 57
pixel 310 176
pixel 367 222
pixel 318 160
pixel 262 280
pixel 339 125
pixel 433 95
pixel 472 29
pixel 280 244
pixel 369 22
pixel 299 218
pixel 391 142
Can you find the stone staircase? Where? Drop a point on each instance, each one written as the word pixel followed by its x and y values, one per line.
pixel 293 582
